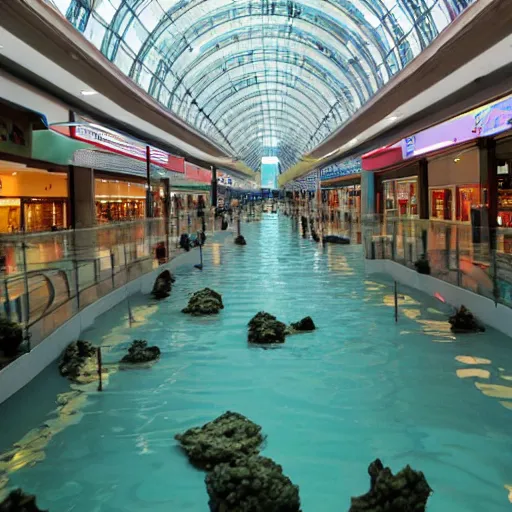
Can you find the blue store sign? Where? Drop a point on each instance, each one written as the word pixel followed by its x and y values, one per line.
pixel 340 169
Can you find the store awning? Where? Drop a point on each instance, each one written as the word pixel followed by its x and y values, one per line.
pixel 382 158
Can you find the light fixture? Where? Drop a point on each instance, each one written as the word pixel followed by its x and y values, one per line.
pixel 14 173
pixel 456 160
pixel 353 141
pixel 391 119
pixel 88 93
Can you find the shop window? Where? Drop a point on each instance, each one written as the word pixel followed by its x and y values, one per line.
pixel 45 215
pixel 467 197
pixel 441 205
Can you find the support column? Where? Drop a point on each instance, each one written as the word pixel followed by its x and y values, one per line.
pixel 489 186
pixel 424 207
pixel 214 186
pixel 149 196
pixel 367 194
pixel 81 197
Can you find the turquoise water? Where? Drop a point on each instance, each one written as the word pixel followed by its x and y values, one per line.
pixel 331 401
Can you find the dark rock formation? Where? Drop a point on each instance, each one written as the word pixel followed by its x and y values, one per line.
pixel 79 362
pixel 18 501
pixel 185 242
pixel 422 266
pixel 139 352
pixel 264 328
pixel 464 321
pixel 204 302
pixel 304 325
pixel 224 439
pixel 11 337
pixel 163 285
pixel 334 239
pixel 407 491
pixel 251 484
pixel 240 240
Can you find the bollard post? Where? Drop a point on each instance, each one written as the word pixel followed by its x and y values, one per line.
pixel 112 268
pixel 100 369
pixel 396 302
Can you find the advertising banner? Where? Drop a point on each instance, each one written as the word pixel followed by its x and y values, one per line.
pixel 196 173
pixel 340 169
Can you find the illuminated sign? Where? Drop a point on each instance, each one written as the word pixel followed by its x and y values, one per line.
pixel 116 143
pixel 10 202
pixel 340 169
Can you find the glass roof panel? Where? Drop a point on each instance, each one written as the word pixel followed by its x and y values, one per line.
pixel 261 77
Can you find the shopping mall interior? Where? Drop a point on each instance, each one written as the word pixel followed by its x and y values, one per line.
pixel 255 256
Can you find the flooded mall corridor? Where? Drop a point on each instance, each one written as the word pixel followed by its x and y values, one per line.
pixel 329 402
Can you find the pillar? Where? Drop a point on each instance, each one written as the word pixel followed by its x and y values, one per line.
pixel 81 197
pixel 424 203
pixel 489 186
pixel 149 195
pixel 367 194
pixel 214 186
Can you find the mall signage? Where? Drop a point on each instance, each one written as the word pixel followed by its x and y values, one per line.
pixel 341 169
pixel 115 142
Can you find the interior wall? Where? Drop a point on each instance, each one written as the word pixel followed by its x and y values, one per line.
pixel 32 183
pixel 447 171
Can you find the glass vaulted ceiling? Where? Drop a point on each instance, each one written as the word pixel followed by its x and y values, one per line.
pixel 259 77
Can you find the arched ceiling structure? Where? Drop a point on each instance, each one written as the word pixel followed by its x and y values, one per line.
pixel 261 77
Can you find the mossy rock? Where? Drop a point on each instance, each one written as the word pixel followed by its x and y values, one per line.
pixel 407 491
pixel 463 321
pixel 304 325
pixel 251 484
pixel 139 352
pixel 79 362
pixel 204 302
pixel 163 285
pixel 18 501
pixel 224 439
pixel 265 329
pixel 11 337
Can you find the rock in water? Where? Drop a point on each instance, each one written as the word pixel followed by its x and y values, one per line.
pixel 240 240
pixel 163 285
pixel 79 362
pixel 139 352
pixel 251 484
pixel 407 491
pixel 464 321
pixel 18 501
pixel 11 337
pixel 333 239
pixel 264 329
pixel 304 325
pixel 224 439
pixel 314 235
pixel 204 302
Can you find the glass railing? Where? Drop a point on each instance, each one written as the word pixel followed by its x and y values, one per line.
pixel 457 253
pixel 46 278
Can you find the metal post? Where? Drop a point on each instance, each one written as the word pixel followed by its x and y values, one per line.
pixel 214 186
pixel 396 302
pixel 7 300
pixel 149 199
pixel 77 284
pixel 100 370
pixel 112 268
pixel 457 256
pixel 25 281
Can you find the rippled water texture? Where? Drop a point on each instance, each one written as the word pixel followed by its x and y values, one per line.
pixel 331 401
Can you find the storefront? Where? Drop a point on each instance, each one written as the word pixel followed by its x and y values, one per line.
pixel 118 200
pixel 454 184
pixel 32 199
pixel 401 197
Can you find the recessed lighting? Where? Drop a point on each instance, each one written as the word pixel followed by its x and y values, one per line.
pixel 391 119
pixel 456 160
pixel 353 141
pixel 14 173
pixel 88 93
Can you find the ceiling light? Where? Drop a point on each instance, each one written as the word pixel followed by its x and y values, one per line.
pixel 391 119
pixel 14 173
pixel 456 160
pixel 88 93
pixel 353 141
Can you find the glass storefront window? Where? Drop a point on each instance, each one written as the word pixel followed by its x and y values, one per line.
pixel 467 197
pixel 401 198
pixel 441 204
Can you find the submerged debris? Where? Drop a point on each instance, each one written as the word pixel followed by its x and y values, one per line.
pixel 251 484
pixel 304 325
pixel 18 501
pixel 264 329
pixel 204 302
pixel 163 285
pixel 464 321
pixel 79 362
pixel 333 239
pixel 139 352
pixel 240 240
pixel 407 491
pixel 224 439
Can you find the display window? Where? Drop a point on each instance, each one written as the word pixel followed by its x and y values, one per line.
pixel 442 203
pixel 467 197
pixel 401 197
pixel 118 200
